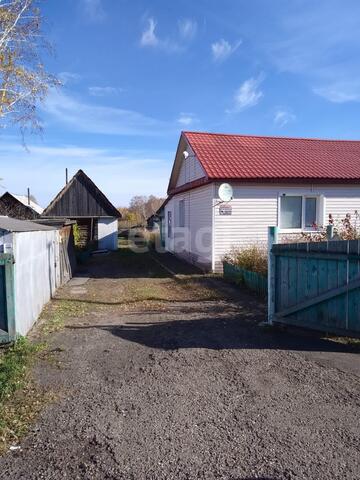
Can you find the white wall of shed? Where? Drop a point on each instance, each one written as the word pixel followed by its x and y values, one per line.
pixel 37 274
pixel 108 233
pixel 255 207
pixel 193 241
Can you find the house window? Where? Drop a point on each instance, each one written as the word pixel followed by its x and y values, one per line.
pixel 310 212
pixel 298 212
pixel 182 213
pixel 169 224
pixel 290 212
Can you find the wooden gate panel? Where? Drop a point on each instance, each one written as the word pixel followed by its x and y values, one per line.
pixel 317 285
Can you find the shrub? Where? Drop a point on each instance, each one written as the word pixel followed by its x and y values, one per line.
pixel 77 234
pixel 253 258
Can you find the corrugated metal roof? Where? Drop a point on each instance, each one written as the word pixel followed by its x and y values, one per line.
pixel 24 200
pixel 245 157
pixel 15 225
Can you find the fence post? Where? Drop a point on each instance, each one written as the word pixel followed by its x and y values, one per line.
pixel 330 232
pixel 273 234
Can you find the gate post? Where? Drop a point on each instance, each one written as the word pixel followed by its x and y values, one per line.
pixel 273 236
pixel 330 232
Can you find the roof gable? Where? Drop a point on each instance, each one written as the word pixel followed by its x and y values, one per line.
pixel 16 208
pixel 25 201
pixel 80 198
pixel 185 170
pixel 251 158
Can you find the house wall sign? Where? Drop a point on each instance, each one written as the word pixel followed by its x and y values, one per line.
pixel 225 210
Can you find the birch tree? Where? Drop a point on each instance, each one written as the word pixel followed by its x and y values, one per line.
pixel 23 78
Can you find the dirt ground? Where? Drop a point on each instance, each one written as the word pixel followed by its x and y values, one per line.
pixel 162 377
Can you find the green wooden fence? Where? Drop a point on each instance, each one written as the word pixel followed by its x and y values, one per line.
pixel 317 285
pixel 7 298
pixel 252 280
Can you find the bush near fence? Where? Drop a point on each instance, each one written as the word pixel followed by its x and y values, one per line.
pixel 248 266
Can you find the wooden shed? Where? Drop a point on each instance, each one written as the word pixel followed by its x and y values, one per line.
pixel 20 207
pixel 81 200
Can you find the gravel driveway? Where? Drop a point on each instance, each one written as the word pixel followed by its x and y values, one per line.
pixel 160 377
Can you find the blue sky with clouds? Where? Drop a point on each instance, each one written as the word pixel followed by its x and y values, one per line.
pixel 136 73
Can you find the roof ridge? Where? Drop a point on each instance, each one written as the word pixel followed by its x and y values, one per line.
pixel 106 205
pixel 279 137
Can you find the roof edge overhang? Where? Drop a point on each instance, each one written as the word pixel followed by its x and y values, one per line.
pixel 256 180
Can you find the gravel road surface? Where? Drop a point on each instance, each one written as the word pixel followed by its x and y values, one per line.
pixel 160 377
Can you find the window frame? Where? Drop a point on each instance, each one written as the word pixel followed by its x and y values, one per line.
pixel 169 224
pixel 181 207
pixel 319 211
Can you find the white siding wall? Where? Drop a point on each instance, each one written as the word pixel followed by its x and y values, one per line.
pixel 194 241
pixel 36 274
pixel 190 170
pixel 255 207
pixel 108 233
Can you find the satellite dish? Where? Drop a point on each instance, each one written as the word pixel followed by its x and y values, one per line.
pixel 225 192
pixel 186 154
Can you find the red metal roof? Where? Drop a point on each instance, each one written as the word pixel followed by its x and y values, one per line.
pixel 254 158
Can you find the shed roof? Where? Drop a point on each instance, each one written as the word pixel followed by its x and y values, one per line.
pixel 15 225
pixel 80 197
pixel 25 201
pixel 259 158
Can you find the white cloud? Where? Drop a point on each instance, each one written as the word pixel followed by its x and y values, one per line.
pixel 69 77
pixel 222 49
pixel 342 92
pixel 186 31
pixel 104 91
pixel 282 117
pixel 248 95
pixel 107 167
pixel 187 28
pixel 94 10
pixel 148 37
pixel 86 117
pixel 187 119
pixel 319 41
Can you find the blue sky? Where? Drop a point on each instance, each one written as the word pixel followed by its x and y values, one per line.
pixel 136 73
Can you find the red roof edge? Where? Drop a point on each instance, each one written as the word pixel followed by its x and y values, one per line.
pixel 282 180
pixel 194 150
pixel 280 137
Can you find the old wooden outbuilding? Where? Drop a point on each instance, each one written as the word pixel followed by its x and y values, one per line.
pixel 21 207
pixel 82 201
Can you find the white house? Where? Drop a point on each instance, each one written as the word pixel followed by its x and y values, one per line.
pixel 289 182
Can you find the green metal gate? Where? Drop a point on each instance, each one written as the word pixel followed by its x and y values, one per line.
pixel 7 298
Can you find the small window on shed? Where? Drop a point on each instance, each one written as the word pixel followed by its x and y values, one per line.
pixel 182 213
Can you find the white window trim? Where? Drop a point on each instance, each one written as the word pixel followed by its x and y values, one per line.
pixel 320 211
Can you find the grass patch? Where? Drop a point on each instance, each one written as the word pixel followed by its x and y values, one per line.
pixel 20 401
pixel 13 366
pixel 54 315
